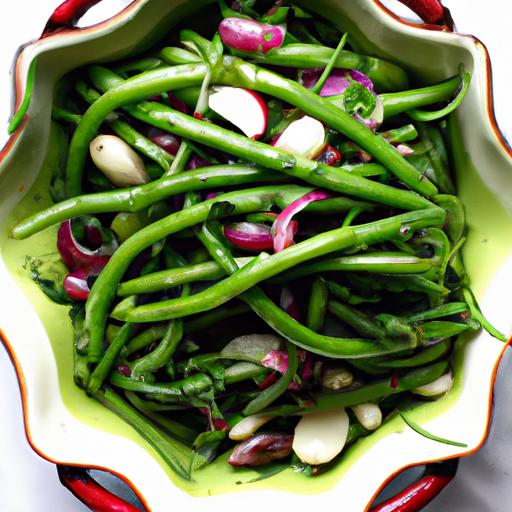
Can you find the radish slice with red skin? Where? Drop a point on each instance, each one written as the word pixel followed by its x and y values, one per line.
pixel 241 107
pixel 304 137
pixel 249 236
pixel 250 35
pixel 282 238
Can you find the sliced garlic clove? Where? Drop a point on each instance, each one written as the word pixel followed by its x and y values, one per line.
pixel 304 137
pixel 320 437
pixel 369 415
pixel 248 426
pixel 122 166
pixel 438 387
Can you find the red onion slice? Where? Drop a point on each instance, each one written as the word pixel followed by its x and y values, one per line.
pixel 76 256
pixel 283 237
pixel 250 236
pixel 167 141
pixel 338 81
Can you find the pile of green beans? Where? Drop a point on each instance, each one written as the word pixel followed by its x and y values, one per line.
pixel 372 283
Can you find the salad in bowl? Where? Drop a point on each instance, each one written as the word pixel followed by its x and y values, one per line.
pixel 251 262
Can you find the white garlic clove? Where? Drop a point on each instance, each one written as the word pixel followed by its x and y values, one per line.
pixel 248 426
pixel 304 137
pixel 319 437
pixel 369 415
pixel 438 387
pixel 122 166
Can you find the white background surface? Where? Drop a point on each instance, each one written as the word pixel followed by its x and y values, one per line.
pixel 30 484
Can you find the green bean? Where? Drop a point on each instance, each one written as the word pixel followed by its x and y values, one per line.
pixel 210 318
pixel 172 452
pixel 366 393
pixel 403 134
pixel 164 279
pixel 293 331
pixel 401 283
pixel 107 362
pixel 422 115
pixel 374 262
pixel 368 170
pixel 162 354
pixel 175 428
pixel 175 56
pixel 264 266
pixel 477 314
pixel 104 288
pixel 361 323
pixel 177 391
pixel 272 393
pixel 385 75
pixel 144 339
pixel 344 294
pixel 452 308
pixel 61 114
pixel 351 216
pixel 138 65
pixel 330 65
pixel 398 102
pixel 137 198
pixel 455 216
pixel 440 330
pixel 426 356
pixel 243 370
pixel 437 156
pixel 317 305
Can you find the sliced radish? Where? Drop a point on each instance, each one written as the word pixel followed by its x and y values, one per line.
pixel 304 137
pixel 320 437
pixel 241 107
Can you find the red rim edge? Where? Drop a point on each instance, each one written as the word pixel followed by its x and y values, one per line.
pixel 97 498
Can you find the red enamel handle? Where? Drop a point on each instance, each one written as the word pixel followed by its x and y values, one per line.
pixel 90 493
pixel 417 495
pixel 430 11
pixel 67 14
pixel 98 499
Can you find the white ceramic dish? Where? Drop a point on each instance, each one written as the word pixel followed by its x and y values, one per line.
pixel 66 427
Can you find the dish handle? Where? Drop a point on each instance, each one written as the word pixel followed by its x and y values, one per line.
pixel 412 499
pixel 67 14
